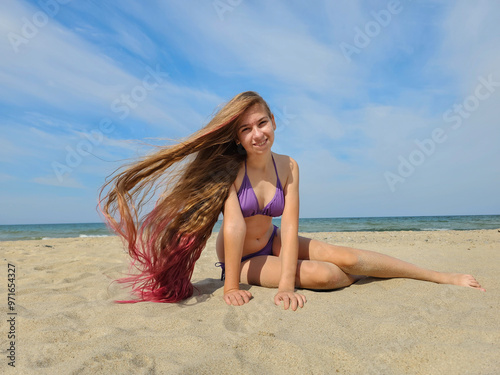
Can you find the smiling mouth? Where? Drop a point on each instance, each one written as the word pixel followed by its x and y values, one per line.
pixel 261 144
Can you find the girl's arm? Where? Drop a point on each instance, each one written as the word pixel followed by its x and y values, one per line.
pixel 234 228
pixel 290 242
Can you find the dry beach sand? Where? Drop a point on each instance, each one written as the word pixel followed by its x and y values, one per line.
pixel 67 323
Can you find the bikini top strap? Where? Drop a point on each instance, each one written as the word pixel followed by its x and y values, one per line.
pixel 275 169
pixel 278 182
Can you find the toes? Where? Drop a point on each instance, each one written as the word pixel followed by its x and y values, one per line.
pixel 473 283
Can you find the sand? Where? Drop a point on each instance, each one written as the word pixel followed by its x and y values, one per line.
pixel 67 323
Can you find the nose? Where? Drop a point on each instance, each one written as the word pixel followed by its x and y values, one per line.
pixel 257 133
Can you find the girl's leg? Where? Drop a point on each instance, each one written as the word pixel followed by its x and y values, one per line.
pixel 266 270
pixel 370 263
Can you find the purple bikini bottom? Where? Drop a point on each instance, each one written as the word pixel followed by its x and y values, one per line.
pixel 266 250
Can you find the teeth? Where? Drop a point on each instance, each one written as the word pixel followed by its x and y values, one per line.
pixel 261 144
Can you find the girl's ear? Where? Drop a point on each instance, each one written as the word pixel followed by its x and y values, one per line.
pixel 272 120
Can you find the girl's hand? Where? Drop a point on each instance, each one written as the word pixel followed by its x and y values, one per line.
pixel 237 297
pixel 290 298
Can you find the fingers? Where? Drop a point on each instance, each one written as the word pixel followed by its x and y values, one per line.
pixel 237 297
pixel 286 302
pixel 292 299
pixel 301 300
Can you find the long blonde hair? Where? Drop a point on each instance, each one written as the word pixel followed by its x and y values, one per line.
pixel 194 177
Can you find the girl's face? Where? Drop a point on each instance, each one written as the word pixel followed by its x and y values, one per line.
pixel 256 130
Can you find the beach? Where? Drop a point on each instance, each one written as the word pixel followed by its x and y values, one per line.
pixel 66 321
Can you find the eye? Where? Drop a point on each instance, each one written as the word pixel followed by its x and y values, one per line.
pixel 263 123
pixel 244 130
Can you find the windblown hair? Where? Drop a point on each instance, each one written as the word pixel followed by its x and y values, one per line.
pixel 194 177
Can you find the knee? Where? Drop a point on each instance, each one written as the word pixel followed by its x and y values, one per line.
pixel 348 260
pixel 319 275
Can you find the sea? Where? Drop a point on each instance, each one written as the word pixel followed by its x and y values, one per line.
pixel 353 224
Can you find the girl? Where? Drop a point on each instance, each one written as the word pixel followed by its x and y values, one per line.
pixel 228 166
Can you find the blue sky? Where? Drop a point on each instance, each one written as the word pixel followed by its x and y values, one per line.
pixel 390 107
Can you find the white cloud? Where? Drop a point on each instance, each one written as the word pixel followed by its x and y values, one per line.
pixel 57 68
pixel 271 43
pixel 350 123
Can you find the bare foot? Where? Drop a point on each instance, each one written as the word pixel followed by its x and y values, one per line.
pixel 462 280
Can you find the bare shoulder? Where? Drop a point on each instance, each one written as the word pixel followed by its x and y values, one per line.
pixel 286 166
pixel 239 177
pixel 285 161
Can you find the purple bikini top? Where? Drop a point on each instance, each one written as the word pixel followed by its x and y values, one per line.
pixel 249 203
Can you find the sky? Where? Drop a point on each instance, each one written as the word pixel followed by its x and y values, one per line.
pixel 390 108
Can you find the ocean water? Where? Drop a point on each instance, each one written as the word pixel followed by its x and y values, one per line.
pixel 47 231
pixel 413 223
